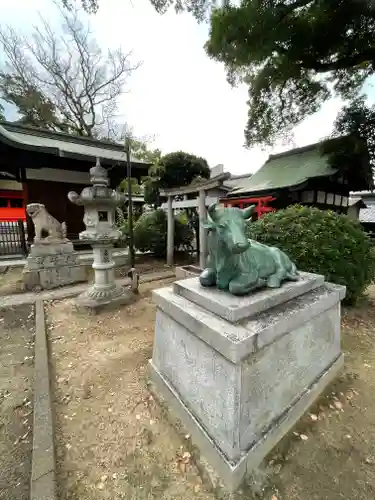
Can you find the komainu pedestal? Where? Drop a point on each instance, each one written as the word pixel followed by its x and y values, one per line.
pixel 51 265
pixel 240 371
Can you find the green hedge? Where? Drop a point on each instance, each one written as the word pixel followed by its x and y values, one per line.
pixel 322 242
pixel 150 233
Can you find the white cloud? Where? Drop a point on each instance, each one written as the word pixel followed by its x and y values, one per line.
pixel 178 94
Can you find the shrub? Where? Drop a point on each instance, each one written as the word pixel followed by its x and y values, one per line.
pixel 123 226
pixel 322 242
pixel 150 233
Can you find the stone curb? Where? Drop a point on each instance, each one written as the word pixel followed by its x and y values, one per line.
pixel 73 291
pixel 43 465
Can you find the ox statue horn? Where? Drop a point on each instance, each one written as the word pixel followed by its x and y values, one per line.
pixel 248 212
pixel 212 211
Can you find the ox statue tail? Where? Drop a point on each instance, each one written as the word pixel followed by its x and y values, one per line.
pixel 63 230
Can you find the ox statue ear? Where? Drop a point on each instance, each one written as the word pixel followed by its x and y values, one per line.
pixel 248 212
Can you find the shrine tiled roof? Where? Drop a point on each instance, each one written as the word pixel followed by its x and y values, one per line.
pixel 61 144
pixel 288 169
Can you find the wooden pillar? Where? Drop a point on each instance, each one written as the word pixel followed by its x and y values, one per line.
pixel 30 231
pixel 170 232
pixel 202 210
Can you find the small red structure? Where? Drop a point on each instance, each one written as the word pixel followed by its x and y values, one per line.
pixel 260 202
pixel 12 206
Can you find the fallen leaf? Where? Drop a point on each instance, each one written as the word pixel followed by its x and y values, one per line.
pixel 304 437
pixel 313 417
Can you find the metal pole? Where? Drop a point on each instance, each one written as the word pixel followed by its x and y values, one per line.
pixel 130 203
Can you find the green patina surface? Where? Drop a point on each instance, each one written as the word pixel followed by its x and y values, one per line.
pixel 236 263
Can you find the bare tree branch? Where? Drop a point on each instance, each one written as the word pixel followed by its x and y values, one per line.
pixel 69 71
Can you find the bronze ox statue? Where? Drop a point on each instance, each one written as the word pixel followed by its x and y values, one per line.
pixel 236 263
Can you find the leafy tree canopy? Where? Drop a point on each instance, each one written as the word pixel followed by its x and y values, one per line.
pixel 135 186
pixel 180 169
pixel 354 144
pixel 173 170
pixel 294 55
pixel 197 7
pixel 141 150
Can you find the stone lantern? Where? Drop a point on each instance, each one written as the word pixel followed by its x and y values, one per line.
pixel 99 202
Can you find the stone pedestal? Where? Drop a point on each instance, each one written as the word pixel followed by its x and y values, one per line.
pixel 239 372
pixel 184 272
pixel 51 265
pixel 104 292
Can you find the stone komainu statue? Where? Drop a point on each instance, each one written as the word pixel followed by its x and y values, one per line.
pixel 44 222
pixel 236 263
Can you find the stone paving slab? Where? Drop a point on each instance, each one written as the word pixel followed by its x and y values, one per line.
pixel 73 291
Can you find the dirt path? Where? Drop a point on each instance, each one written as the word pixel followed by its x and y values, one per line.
pixel 16 374
pixel 114 442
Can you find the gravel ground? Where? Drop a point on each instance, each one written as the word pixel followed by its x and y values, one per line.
pixel 16 374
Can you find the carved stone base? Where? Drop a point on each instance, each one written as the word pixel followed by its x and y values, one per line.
pixel 239 372
pixel 95 299
pixel 53 265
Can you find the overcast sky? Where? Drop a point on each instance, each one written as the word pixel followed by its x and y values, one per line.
pixel 178 94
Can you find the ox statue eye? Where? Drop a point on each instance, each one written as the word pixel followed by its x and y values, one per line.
pixel 222 225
